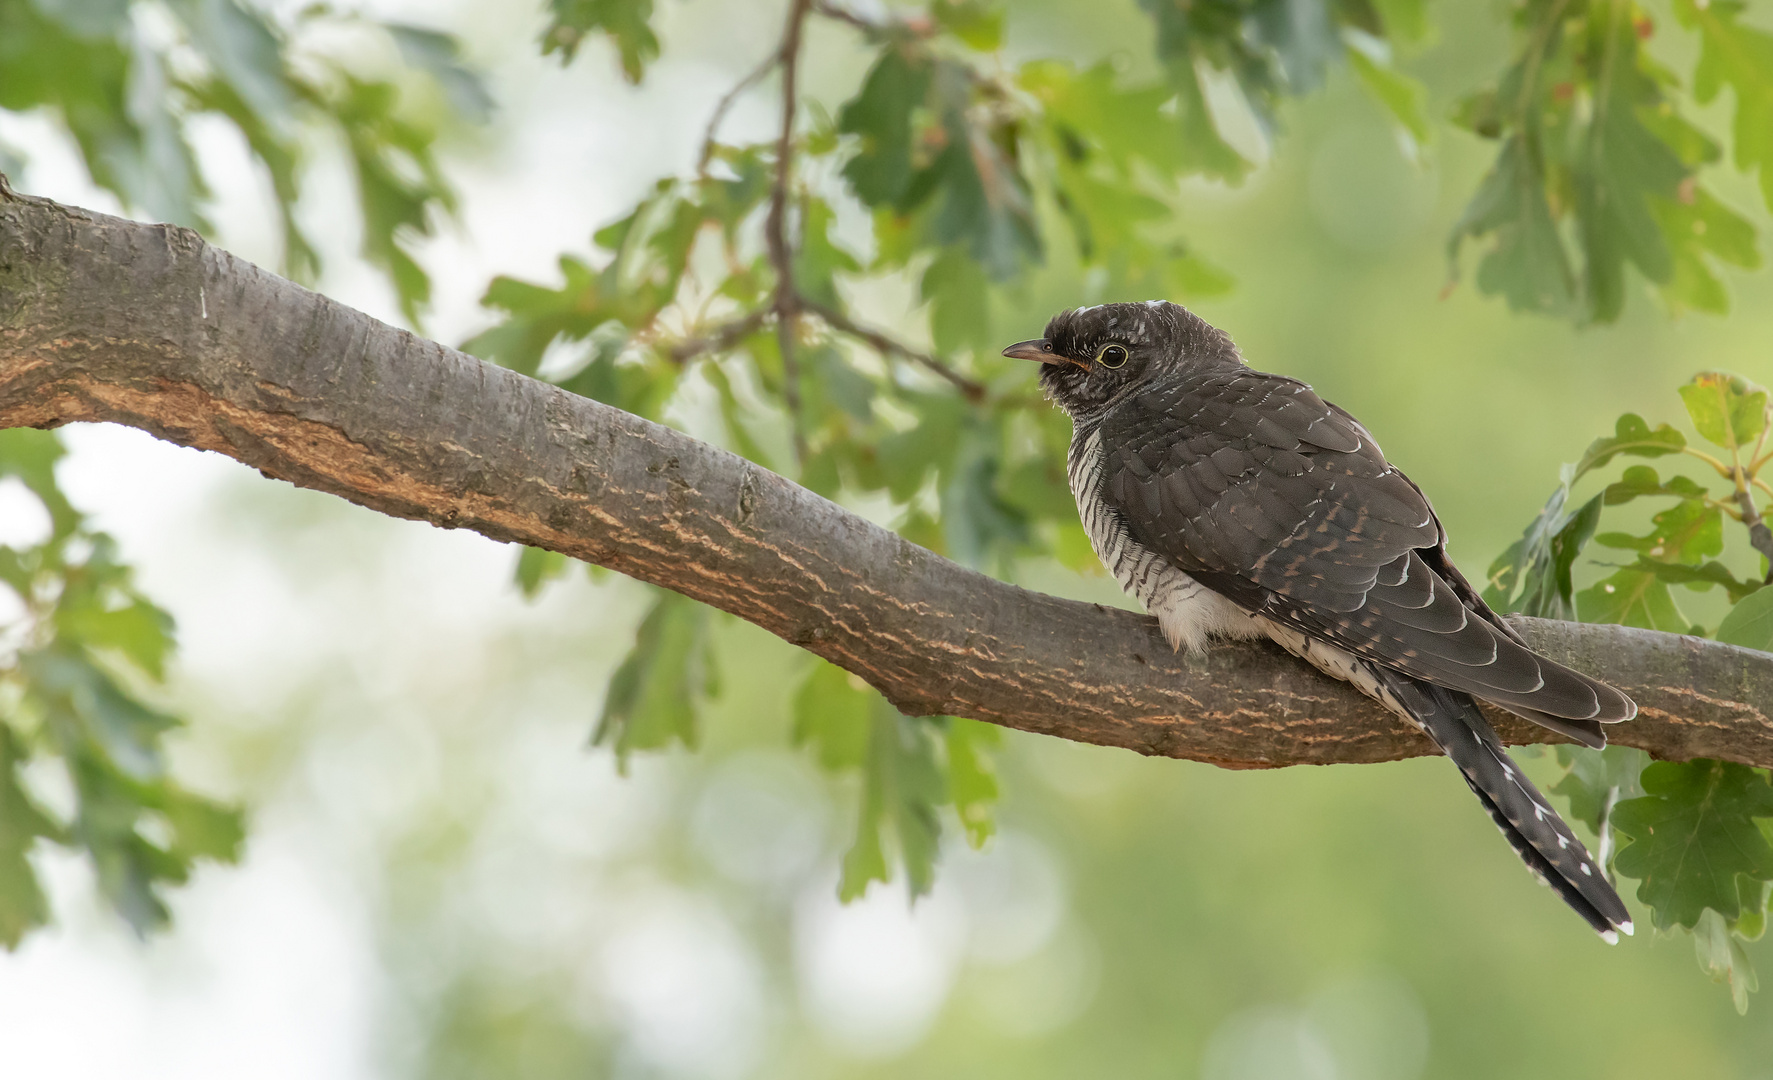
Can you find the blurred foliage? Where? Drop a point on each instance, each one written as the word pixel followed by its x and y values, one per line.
pixel 128 81
pixel 77 668
pixel 962 174
pixel 1598 169
pixel 1709 868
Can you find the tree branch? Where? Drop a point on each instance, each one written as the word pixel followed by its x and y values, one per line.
pixel 109 320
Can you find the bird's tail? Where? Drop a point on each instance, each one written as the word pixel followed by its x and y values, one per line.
pixel 1538 835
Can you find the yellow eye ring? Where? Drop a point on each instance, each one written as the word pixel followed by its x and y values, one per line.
pixel 1111 355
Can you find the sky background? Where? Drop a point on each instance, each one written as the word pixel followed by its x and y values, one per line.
pixel 441 880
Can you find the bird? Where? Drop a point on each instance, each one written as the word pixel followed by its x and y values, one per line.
pixel 1232 503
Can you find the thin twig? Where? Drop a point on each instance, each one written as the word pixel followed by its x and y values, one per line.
pixel 776 225
pixel 916 27
pixel 1759 535
pixel 726 103
pixel 974 391
pixel 719 339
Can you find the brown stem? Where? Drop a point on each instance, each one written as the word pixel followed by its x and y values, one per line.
pixel 843 324
pixel 721 338
pixel 776 225
pixel 725 104
pixel 1759 536
pixel 109 320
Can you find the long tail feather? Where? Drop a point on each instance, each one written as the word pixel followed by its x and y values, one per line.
pixel 1538 835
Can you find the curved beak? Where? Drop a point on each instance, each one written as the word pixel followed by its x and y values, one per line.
pixel 1038 349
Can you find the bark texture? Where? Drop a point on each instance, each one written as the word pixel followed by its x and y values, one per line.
pixel 103 319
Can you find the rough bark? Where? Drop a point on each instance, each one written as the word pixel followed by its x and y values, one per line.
pixel 109 320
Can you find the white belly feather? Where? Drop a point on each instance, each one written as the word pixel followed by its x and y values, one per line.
pixel 1188 612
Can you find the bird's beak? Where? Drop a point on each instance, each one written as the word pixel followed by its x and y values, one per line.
pixel 1038 349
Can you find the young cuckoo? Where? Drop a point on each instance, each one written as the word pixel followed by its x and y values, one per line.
pixel 1235 503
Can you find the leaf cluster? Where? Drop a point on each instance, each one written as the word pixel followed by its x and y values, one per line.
pixel 78 666
pixel 1597 169
pixel 129 88
pixel 1695 835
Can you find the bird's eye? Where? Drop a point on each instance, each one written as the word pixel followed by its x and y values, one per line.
pixel 1111 355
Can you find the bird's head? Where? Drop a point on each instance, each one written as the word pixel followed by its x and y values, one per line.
pixel 1091 355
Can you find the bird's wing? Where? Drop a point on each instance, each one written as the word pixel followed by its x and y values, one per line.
pixel 1269 495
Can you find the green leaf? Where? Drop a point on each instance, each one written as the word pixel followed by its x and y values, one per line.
pixel 978 523
pixel 817 259
pixel 23 906
pixel 902 785
pixel 627 22
pixel 1727 409
pixel 399 182
pixel 1700 229
pixel 652 697
pixel 536 567
pixel 139 630
pixel 1721 956
pixel 832 712
pixel 1405 98
pixel 1097 118
pixel 972 779
pixel 1702 577
pixel 956 290
pixel 1741 58
pixel 243 47
pixel 1534 575
pixel 880 115
pixel 1687 532
pixel 1632 597
pixel 1596 778
pixel 1403 20
pixel 1631 435
pixel 1620 168
pixel 910 768
pixel 112 746
pixel 976 23
pixel 1639 481
pixel 1527 264
pixel 441 56
pixel 1750 622
pixel 1693 834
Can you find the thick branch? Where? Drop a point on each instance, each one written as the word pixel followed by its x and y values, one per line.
pixel 145 325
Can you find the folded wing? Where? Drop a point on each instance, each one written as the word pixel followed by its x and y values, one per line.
pixel 1284 503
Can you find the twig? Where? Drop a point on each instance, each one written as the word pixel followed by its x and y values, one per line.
pixel 722 337
pixel 776 226
pixel 915 27
pixel 726 103
pixel 1759 535
pixel 974 390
